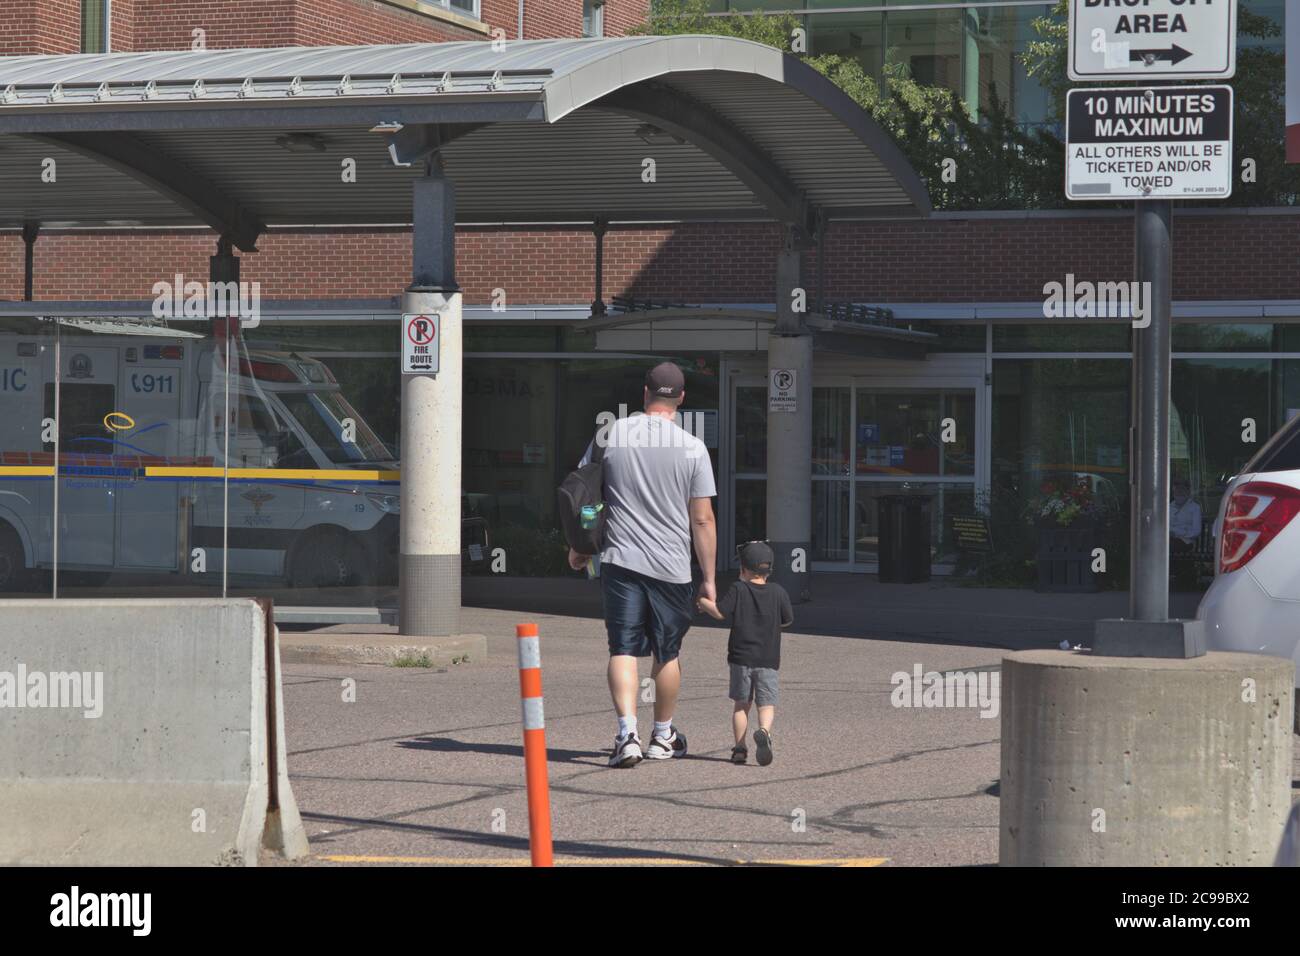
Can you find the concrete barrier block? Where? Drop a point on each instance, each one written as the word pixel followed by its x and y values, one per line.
pixel 1110 761
pixel 155 738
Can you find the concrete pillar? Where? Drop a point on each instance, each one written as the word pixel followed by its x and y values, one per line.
pixel 789 433
pixel 430 556
pixel 1144 761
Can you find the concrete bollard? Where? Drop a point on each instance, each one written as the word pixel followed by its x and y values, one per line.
pixel 1110 761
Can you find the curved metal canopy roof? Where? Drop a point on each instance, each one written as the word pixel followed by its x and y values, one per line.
pixel 531 131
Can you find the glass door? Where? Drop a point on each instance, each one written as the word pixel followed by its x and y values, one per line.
pixel 870 438
pixel 914 440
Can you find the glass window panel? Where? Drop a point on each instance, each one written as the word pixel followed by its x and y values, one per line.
pixel 593 18
pixel 995 38
pixel 900 433
pixel 769 6
pixel 959 453
pixel 313 507
pixel 1061 419
pixel 751 430
pixel 956 336
pixel 138 509
pixel 1274 10
pixel 1063 337
pixel 944 500
pixel 860 36
pixel 1209 399
pixel 1234 337
pixel 830 441
pixel 94 26
pixel 830 520
pixel 929 43
pixel 26 463
pixel 751 510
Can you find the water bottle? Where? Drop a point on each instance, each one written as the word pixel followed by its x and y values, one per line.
pixel 589 516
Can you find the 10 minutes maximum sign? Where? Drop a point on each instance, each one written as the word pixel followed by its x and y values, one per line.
pixel 1149 143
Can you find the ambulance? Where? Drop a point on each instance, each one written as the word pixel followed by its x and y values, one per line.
pixel 146 427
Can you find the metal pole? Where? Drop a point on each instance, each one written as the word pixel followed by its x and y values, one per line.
pixel 1149 529
pixel 598 229
pixel 1148 631
pixel 30 231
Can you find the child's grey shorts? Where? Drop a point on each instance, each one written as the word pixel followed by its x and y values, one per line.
pixel 757 684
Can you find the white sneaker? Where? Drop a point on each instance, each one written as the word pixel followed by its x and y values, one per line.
pixel 664 748
pixel 627 751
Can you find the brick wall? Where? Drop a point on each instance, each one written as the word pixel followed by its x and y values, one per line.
pixel 552 18
pixel 622 15
pixel 168 24
pixel 18 27
pixel 40 26
pixel 1216 257
pixel 122 25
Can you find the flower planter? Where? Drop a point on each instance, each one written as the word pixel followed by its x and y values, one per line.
pixel 1065 557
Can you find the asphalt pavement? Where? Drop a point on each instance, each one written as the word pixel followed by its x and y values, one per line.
pixel 425 765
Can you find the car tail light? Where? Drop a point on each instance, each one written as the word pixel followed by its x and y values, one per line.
pixel 1257 511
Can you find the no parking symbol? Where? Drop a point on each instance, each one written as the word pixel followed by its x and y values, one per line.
pixel 420 342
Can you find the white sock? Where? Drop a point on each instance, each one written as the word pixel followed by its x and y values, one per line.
pixel 664 728
pixel 626 725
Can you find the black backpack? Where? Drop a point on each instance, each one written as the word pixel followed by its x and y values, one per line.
pixel 584 487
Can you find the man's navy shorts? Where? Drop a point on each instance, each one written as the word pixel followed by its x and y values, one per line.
pixel 645 616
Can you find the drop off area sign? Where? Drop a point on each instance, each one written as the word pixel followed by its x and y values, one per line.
pixel 1149 143
pixel 1153 39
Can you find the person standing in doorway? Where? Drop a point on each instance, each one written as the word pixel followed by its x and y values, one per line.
pixel 1184 529
pixel 658 490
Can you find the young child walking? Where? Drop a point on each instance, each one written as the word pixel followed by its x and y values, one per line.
pixel 758 610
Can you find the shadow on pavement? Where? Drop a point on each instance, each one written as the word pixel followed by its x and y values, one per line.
pixel 448 745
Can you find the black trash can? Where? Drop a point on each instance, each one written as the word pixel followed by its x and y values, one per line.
pixel 904 538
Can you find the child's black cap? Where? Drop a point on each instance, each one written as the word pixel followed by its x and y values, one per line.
pixel 757 556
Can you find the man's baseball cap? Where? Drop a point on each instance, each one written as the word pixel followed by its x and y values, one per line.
pixel 665 380
pixel 757 556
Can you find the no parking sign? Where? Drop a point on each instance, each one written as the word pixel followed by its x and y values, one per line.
pixel 420 342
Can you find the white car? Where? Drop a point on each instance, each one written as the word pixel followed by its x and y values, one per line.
pixel 1254 603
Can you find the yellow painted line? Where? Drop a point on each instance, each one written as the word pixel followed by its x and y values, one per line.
pixel 595 861
pixel 43 471
pixel 160 471
pixel 274 474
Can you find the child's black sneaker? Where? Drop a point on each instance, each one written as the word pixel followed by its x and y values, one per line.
pixel 739 753
pixel 763 743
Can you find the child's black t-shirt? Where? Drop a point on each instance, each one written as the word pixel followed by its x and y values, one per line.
pixel 757 612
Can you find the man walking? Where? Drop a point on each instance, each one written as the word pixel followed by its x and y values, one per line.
pixel 658 486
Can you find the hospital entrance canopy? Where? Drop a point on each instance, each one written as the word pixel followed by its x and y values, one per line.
pixel 532 131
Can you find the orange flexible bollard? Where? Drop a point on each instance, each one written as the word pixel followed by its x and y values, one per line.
pixel 535 771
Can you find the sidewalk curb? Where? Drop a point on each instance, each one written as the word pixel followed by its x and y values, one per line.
pixel 380 648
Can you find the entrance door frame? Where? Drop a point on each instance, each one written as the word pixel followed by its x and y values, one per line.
pixel 960 372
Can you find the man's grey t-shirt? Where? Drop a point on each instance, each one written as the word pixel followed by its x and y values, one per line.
pixel 653 468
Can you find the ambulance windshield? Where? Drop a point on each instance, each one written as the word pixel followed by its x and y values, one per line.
pixel 335 427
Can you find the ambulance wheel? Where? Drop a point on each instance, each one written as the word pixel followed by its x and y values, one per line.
pixel 14 575
pixel 328 558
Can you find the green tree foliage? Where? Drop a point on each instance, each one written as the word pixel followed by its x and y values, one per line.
pixel 1000 164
